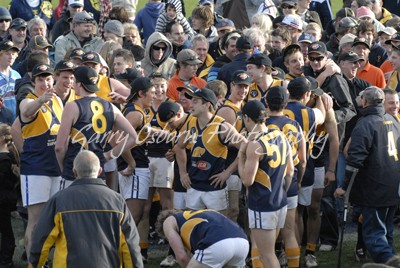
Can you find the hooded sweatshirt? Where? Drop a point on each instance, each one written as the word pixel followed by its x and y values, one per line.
pixel 166 64
pixel 163 19
pixel 146 19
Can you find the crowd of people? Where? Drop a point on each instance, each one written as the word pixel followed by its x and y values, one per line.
pixel 247 120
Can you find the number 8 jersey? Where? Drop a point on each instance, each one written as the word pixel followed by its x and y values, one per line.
pixel 90 131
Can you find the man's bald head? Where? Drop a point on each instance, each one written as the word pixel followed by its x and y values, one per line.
pixel 86 165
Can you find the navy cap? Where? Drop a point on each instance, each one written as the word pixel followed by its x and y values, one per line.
pixel 240 77
pixel 254 109
pixel 18 23
pixel 203 93
pixel 306 38
pixel 65 65
pixel 260 59
pixel 140 84
pixel 244 42
pixel 88 77
pixel 317 47
pixel 8 45
pixel 41 69
pixel 188 87
pixel 277 95
pixel 225 24
pixel 167 110
pixel 5 14
pixel 362 40
pixel 91 57
pixel 349 56
pixel 300 85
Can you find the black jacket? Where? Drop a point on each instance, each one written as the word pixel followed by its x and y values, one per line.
pixel 373 150
pixel 377 55
pixel 23 87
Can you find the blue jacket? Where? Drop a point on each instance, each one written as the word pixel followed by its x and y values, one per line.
pixel 21 9
pixel 239 62
pixel 146 19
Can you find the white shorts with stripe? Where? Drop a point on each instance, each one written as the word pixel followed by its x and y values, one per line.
pixel 267 220
pixel 36 189
pixel 135 186
pixel 217 200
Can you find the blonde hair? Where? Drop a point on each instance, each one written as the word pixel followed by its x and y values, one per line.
pixel 262 21
pixel 107 51
pixel 132 27
pixel 5 131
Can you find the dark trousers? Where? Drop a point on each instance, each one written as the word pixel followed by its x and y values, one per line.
pixel 7 235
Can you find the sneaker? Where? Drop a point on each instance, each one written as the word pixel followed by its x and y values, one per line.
pixel 169 261
pixel 311 261
pixel 282 259
pixel 360 254
pixel 325 248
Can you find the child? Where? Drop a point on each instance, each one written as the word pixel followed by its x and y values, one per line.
pixel 173 11
pixel 9 194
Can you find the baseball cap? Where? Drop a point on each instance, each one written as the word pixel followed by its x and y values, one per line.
pixel 347 39
pixel 158 75
pixel 188 56
pixel 225 24
pixel 349 56
pixel 300 85
pixel 205 2
pixel 244 42
pixel 88 77
pixel 289 2
pixel 91 57
pixel 82 17
pixel 317 47
pixel 365 12
pixel 388 30
pixel 306 38
pixel 41 69
pixel 140 84
pixel 7 45
pixel 287 49
pixel 373 94
pixel 203 93
pixel 76 3
pixel 129 74
pixel 115 27
pixel 18 23
pixel 188 87
pixel 395 38
pixel 65 65
pixel 167 110
pixel 277 95
pixel 5 14
pixel 260 59
pixel 77 53
pixel 345 12
pixel 278 73
pixel 241 78
pixel 348 22
pixel 292 21
pixel 362 40
pixel 39 42
pixel 254 109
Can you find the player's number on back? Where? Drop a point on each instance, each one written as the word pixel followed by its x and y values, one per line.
pixel 392 150
pixel 99 122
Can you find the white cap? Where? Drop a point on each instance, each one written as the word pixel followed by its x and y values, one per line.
pixel 76 3
pixel 293 21
pixel 388 30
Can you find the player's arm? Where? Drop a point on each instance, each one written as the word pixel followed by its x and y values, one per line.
pixel 69 117
pixel 16 133
pixel 29 107
pixel 333 137
pixel 227 114
pixel 119 88
pixel 181 158
pixel 302 155
pixel 319 111
pixel 170 228
pixel 249 156
pixel 289 165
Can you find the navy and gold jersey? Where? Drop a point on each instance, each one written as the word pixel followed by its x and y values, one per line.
pixel 158 146
pixel 289 77
pixel 232 151
pixel 256 93
pixel 39 134
pixel 292 131
pixel 139 151
pixel 267 193
pixel 208 153
pixel 203 228
pixel 91 132
pixel 71 97
pixel 105 88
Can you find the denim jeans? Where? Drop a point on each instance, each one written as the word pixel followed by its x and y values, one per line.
pixel 378 232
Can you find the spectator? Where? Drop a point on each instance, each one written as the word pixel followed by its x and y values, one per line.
pixel 114 30
pixel 27 10
pixel 124 6
pixel 200 45
pixel 223 27
pixel 295 26
pixel 177 37
pixel 378 54
pixel 381 13
pixel 62 26
pixel 280 38
pixel 37 26
pixel 203 22
pixel 119 239
pixel 365 13
pixel 324 9
pixel 157 56
pixel 5 21
pixel 391 103
pixel 258 38
pixel 173 12
pixel 131 34
pixel 146 18
pixel 18 36
pixel 344 26
pixel 303 10
pixel 80 37
pixel 120 13
pixel 123 59
pixel 392 6
pixel 394 79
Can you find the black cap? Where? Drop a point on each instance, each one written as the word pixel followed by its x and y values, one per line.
pixel 289 48
pixel 300 85
pixel 167 110
pixel 7 45
pixel 88 77
pixel 315 86
pixel 188 87
pixel 129 74
pixel 260 59
pixel 141 83
pixel 362 40
pixel 39 42
pixel 41 69
pixel 350 56
pixel 347 22
pixel 317 47
pixel 91 57
pixel 65 65
pixel 278 73
pixel 203 93
pixel 244 42
pixel 241 78
pixel 254 109
pixel 77 53
pixel 277 95
pixel 18 23
pixel 158 75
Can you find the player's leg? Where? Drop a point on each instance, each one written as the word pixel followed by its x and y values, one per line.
pixel 292 248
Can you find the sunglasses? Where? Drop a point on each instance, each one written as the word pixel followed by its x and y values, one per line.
pixel 154 47
pixel 287 7
pixel 320 58
pixel 1 21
